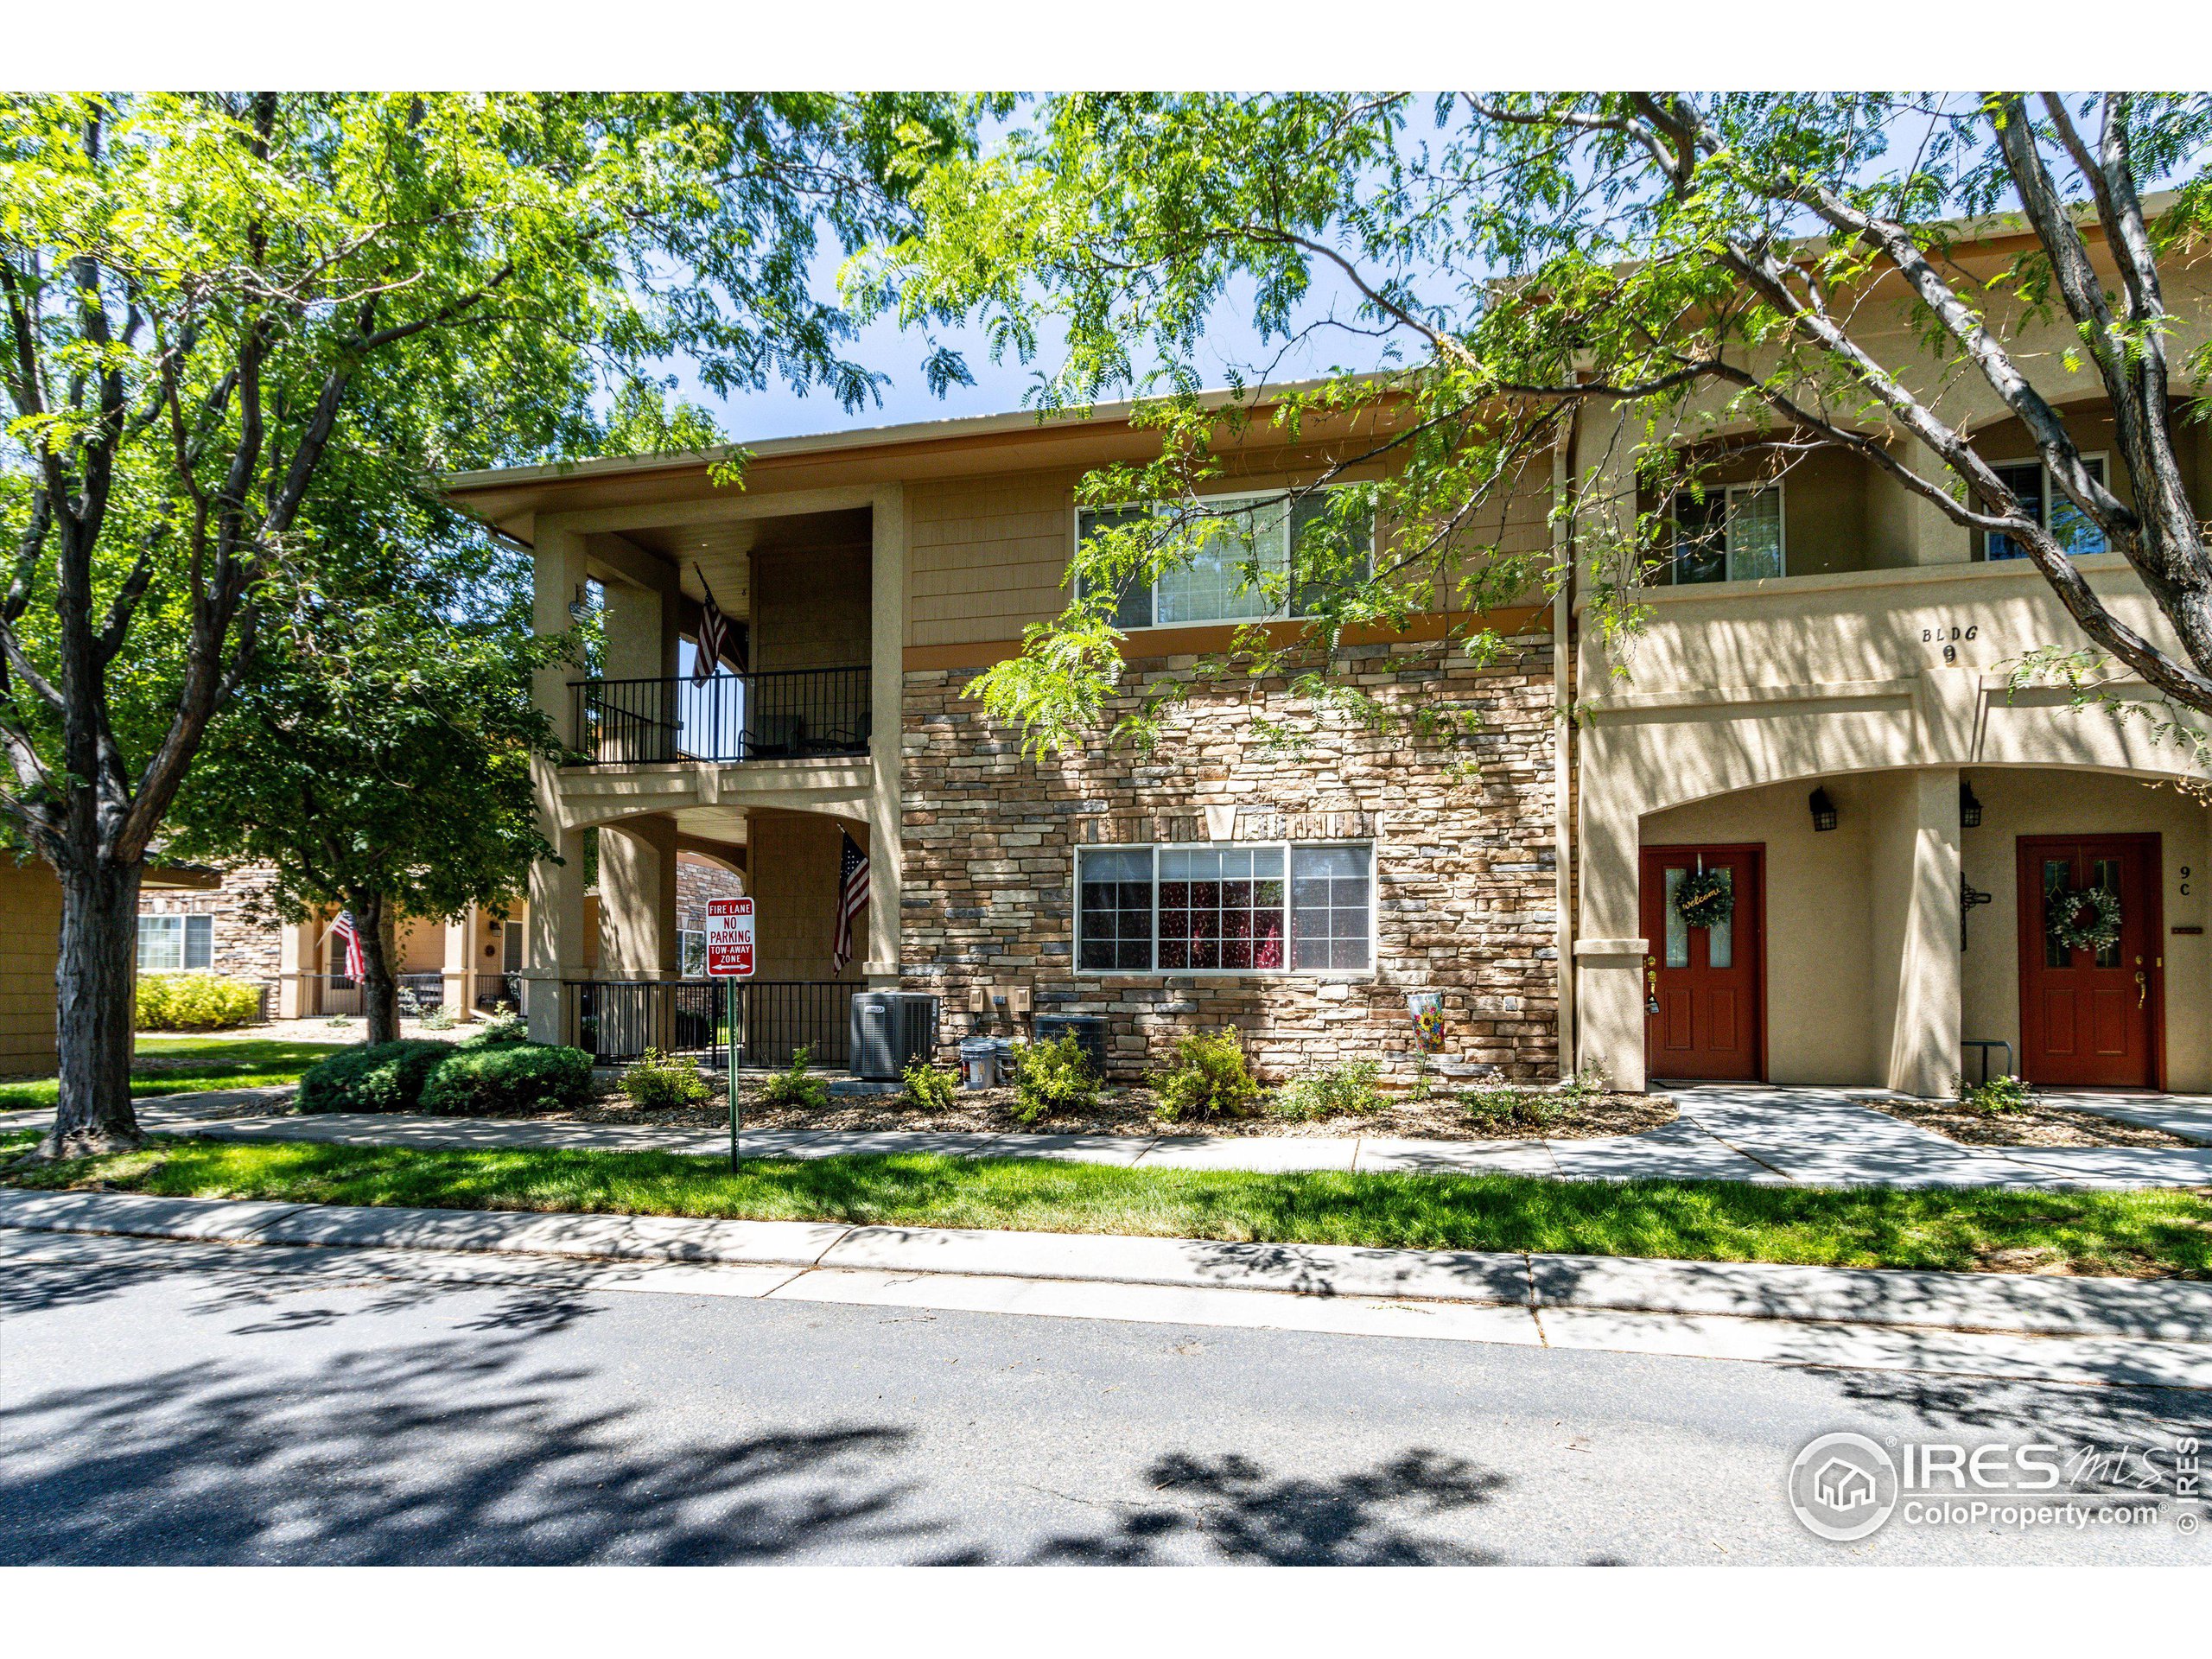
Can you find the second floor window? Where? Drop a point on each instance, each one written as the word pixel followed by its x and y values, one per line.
pixel 1258 537
pixel 1732 533
pixel 2051 507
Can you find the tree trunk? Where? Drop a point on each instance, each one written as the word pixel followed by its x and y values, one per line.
pixel 93 978
pixel 380 994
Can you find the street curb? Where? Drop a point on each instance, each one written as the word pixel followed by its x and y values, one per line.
pixel 2164 1310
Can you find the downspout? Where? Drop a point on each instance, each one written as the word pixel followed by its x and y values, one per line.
pixel 1563 742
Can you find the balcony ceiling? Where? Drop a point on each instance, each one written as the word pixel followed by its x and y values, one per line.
pixel 721 552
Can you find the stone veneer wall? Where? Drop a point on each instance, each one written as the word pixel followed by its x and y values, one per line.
pixel 1466 903
pixel 246 945
pixel 698 880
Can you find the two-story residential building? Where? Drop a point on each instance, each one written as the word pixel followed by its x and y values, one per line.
pixel 1816 706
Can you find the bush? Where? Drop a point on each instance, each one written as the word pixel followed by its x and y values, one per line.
pixel 1345 1091
pixel 508 1077
pixel 657 1082
pixel 928 1089
pixel 441 1018
pixel 496 1032
pixel 1208 1078
pixel 1498 1105
pixel 1587 1087
pixel 195 1002
pixel 1052 1077
pixel 377 1078
pixel 1999 1097
pixel 796 1085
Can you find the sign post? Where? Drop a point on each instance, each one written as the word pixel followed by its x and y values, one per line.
pixel 730 956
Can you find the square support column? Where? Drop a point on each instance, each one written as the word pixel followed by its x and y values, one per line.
pixel 556 890
pixel 1917 993
pixel 887 727
pixel 637 899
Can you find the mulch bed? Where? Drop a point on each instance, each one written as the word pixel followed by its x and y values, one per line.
pixel 1128 1112
pixel 2037 1126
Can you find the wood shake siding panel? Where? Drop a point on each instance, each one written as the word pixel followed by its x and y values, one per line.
pixel 1465 896
pixel 985 559
pixel 30 927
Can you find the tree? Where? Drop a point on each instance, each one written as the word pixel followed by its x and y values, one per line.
pixel 1785 263
pixel 205 298
pixel 378 755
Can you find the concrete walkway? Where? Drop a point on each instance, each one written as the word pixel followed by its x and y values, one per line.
pixel 1747 1133
pixel 2079 1332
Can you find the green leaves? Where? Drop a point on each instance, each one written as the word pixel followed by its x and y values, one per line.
pixel 1749 274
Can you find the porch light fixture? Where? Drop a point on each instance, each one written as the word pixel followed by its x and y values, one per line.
pixel 1969 808
pixel 1823 810
pixel 580 607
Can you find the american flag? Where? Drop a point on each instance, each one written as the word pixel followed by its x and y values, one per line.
pixel 851 899
pixel 718 637
pixel 346 934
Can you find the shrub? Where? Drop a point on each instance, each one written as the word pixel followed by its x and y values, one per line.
pixel 1346 1091
pixel 1052 1077
pixel 1999 1097
pixel 1208 1078
pixel 928 1089
pixel 439 1019
pixel 195 1002
pixel 1585 1088
pixel 508 1077
pixel 1497 1105
pixel 377 1078
pixel 496 1032
pixel 657 1082
pixel 796 1085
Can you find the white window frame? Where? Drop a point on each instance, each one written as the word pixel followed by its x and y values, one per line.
pixel 683 937
pixel 1288 849
pixel 1211 503
pixel 1728 493
pixel 2050 494
pixel 179 925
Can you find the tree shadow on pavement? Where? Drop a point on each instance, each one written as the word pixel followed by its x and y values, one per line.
pixel 1231 1508
pixel 463 1450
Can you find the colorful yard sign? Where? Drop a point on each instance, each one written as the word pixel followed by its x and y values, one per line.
pixel 729 938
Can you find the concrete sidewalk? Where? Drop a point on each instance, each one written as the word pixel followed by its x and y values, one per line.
pixel 2098 1332
pixel 1741 1132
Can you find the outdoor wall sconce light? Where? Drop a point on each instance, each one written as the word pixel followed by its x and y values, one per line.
pixel 1823 810
pixel 1969 808
pixel 580 607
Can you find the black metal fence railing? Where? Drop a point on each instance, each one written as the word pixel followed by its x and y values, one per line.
pixel 616 1020
pixel 339 995
pixel 788 713
pixel 494 993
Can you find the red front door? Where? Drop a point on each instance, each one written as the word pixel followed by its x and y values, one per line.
pixel 2089 1018
pixel 1705 987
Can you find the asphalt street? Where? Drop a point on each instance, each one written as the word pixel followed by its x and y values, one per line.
pixel 193 1403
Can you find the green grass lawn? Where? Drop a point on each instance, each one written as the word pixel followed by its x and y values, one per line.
pixel 2164 1232
pixel 170 1065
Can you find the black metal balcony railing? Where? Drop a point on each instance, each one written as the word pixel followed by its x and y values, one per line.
pixel 614 1020
pixel 790 712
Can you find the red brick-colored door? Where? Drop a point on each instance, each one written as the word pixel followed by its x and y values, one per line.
pixel 2089 1018
pixel 1705 987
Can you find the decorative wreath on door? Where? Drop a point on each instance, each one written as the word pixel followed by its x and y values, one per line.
pixel 1705 897
pixel 2082 918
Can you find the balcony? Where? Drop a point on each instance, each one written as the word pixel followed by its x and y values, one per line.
pixel 789 713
